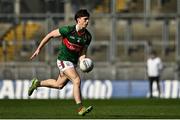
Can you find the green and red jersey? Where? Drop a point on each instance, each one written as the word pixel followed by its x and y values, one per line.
pixel 73 43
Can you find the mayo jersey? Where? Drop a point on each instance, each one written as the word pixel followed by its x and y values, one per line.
pixel 73 43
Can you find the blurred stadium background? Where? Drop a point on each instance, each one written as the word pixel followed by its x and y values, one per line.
pixel 124 32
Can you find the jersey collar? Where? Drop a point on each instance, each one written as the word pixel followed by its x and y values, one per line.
pixel 80 32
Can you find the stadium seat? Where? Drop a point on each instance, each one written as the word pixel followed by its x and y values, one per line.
pixel 19 33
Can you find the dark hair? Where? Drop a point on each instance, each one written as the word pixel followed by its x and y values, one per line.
pixel 81 13
pixel 153 52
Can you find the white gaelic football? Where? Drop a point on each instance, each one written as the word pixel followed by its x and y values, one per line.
pixel 86 65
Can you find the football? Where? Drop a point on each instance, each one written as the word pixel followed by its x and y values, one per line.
pixel 86 65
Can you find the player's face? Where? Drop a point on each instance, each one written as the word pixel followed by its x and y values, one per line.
pixel 83 22
pixel 152 56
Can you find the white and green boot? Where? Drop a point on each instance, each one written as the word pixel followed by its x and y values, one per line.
pixel 84 110
pixel 34 85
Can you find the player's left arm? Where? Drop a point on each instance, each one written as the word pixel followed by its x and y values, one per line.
pixel 83 53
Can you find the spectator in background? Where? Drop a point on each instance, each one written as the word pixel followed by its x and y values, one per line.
pixel 154 69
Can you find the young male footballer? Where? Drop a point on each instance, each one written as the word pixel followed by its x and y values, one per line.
pixel 75 41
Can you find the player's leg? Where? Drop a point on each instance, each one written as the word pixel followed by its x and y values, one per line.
pixel 51 83
pixel 72 74
pixel 74 77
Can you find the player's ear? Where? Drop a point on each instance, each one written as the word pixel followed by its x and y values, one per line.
pixel 78 19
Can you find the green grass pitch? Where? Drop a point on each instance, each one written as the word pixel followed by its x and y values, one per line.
pixel 110 109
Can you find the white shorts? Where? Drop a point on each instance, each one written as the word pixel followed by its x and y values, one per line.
pixel 63 65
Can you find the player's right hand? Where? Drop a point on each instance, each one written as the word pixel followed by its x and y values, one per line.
pixel 35 54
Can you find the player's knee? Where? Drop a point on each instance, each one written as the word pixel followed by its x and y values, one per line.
pixel 61 86
pixel 58 85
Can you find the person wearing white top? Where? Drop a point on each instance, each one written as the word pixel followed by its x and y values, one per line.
pixel 154 69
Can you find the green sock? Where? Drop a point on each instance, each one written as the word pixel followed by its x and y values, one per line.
pixel 79 105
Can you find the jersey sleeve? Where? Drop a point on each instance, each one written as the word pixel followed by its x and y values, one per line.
pixel 64 31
